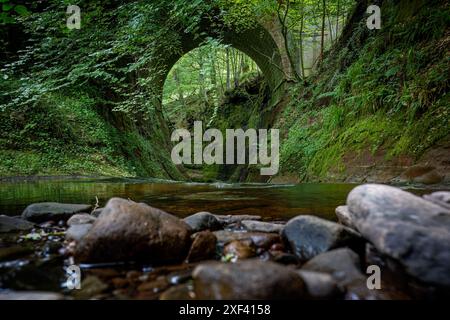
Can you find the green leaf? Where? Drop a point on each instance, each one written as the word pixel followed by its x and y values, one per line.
pixel 21 10
pixel 7 6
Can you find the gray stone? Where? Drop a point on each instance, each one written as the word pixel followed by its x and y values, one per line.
pixel 229 219
pixel 258 226
pixel 309 236
pixel 203 221
pixel 407 228
pixel 81 219
pixel 344 216
pixel 441 198
pixel 78 231
pixel 342 264
pixel 320 285
pixel 45 211
pixel 10 224
pixel 130 231
pixel 247 280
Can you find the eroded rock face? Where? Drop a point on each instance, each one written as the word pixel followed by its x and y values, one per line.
pixel 45 211
pixel 130 231
pixel 203 221
pixel 405 227
pixel 249 279
pixel 309 236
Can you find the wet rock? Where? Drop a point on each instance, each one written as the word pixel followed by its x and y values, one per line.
pixel 203 246
pixel 320 285
pixel 240 249
pixel 130 231
pixel 260 239
pixel 78 231
pixel 344 216
pixel 180 292
pixel 407 228
pixel 30 295
pixel 10 224
pixel 247 280
pixel 432 177
pixel 229 219
pixel 203 221
pixel 90 287
pixel 81 219
pixel 259 226
pixel 179 277
pixel 155 286
pixel 45 211
pixel 342 264
pixel 441 198
pixel 309 236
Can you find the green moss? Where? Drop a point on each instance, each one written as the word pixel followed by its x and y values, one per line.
pixel 65 135
pixel 391 95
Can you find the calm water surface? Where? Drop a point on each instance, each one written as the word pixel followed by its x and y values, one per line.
pixel 182 199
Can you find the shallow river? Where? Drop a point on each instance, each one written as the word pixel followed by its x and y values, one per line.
pixel 182 199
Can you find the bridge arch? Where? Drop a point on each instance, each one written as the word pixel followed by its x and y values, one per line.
pixel 258 42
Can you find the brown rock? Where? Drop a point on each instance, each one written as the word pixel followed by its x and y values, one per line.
pixel 130 231
pixel 247 280
pixel 203 246
pixel 240 249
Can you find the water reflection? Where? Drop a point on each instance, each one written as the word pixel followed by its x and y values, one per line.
pixel 182 199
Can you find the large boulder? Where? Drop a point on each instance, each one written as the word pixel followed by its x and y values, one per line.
pixel 130 231
pixel 203 221
pixel 46 211
pixel 247 280
pixel 405 227
pixel 309 236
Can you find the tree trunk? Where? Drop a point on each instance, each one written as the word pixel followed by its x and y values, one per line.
pixel 322 38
